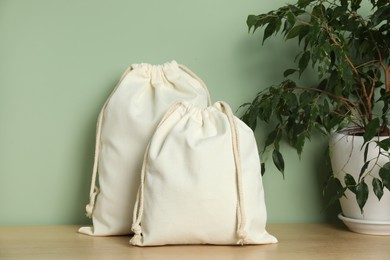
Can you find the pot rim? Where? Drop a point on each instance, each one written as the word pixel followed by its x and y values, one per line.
pixel 356 132
pixel 353 130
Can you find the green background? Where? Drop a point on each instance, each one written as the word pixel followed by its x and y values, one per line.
pixel 59 61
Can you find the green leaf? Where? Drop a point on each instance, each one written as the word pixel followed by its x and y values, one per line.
pixel 305 98
pixel 252 118
pixel 318 11
pixel 378 16
pixel 294 32
pixel 300 142
pixel 291 99
pixel 269 30
pixel 289 72
pixel 384 144
pixel 325 107
pixel 337 190
pixel 377 187
pixel 303 32
pixel 271 138
pixel 290 20
pixel 361 194
pixel 332 59
pixel 363 169
pixel 339 11
pixel 262 168
pixel 304 61
pixel 350 182
pixel 251 22
pixel 365 153
pixel 363 47
pixel 355 4
pixel 371 129
pixel 265 109
pixel 384 173
pixel 278 161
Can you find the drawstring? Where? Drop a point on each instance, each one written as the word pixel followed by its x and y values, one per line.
pixel 241 218
pixel 94 190
pixel 198 79
pixel 139 207
pixel 136 240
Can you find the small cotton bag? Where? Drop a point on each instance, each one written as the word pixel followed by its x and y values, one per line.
pixel 201 181
pixel 125 125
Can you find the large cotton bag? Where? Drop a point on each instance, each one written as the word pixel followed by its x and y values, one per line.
pixel 125 124
pixel 201 181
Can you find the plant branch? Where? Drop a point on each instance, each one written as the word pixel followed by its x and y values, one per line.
pixel 346 101
pixel 367 107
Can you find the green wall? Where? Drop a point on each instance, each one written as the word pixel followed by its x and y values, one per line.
pixel 59 60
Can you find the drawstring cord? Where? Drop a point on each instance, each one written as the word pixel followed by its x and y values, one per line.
pixel 139 202
pixel 241 218
pixel 94 190
pixel 139 207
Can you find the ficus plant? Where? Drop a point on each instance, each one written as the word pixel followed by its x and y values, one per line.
pixel 347 44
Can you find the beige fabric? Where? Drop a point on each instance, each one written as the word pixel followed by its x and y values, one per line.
pixel 125 125
pixel 200 181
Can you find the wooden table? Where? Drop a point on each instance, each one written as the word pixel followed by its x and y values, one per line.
pixel 296 241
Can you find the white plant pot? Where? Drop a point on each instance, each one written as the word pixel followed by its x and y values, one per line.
pixel 348 157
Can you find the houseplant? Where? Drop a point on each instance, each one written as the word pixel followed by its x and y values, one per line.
pixel 347 43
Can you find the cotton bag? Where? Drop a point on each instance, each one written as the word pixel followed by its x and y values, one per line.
pixel 201 181
pixel 125 125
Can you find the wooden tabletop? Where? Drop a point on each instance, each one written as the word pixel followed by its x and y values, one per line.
pixel 296 241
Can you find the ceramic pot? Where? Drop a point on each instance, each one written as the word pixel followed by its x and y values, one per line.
pixel 347 156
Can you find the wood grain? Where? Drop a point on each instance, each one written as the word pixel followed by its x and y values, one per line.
pixel 296 241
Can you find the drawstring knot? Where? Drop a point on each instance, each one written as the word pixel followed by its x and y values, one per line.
pixel 136 229
pixel 89 208
pixel 241 237
pixel 136 240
